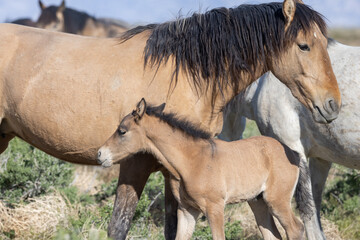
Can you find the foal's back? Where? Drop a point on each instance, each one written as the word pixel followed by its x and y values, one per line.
pixel 248 166
pixel 245 167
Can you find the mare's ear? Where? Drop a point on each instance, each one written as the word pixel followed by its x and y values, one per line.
pixel 138 113
pixel 289 8
pixel 159 109
pixel 61 8
pixel 42 6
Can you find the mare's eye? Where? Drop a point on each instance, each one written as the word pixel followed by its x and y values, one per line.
pixel 304 47
pixel 121 131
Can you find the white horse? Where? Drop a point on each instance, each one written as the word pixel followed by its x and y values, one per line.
pixel 278 114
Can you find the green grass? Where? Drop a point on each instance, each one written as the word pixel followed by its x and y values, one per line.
pixel 341 202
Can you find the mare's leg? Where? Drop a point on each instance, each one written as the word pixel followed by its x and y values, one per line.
pixel 171 205
pixel 233 126
pixel 264 219
pixel 186 222
pixel 215 215
pixel 312 224
pixel 319 170
pixel 4 141
pixel 134 173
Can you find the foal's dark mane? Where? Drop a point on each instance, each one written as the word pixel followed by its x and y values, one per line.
pixel 216 47
pixel 179 123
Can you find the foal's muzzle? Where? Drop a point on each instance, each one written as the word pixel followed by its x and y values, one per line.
pixel 104 157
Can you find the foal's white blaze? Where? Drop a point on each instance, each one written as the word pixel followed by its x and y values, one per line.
pixel 105 159
pixel 315 35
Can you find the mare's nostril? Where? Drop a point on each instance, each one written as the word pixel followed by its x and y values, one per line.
pixel 99 154
pixel 331 106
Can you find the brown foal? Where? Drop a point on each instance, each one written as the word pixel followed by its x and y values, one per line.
pixel 207 173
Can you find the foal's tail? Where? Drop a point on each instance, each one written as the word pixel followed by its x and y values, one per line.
pixel 303 194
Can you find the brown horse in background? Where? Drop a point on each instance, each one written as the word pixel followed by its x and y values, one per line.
pixel 24 21
pixel 208 173
pixel 65 94
pixel 63 19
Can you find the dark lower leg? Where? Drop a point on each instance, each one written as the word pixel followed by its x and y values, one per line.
pixel 171 207
pixel 134 173
pixel 4 141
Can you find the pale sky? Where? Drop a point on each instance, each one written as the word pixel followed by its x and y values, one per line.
pixel 339 13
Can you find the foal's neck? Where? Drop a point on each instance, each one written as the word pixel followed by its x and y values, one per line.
pixel 175 150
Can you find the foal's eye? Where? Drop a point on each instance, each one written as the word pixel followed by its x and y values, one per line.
pixel 304 47
pixel 121 131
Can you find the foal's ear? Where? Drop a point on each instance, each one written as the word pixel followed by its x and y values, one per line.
pixel 42 6
pixel 140 109
pixel 289 8
pixel 61 7
pixel 159 109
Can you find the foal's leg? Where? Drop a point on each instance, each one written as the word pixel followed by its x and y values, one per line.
pixel 215 215
pixel 186 222
pixel 134 173
pixel 281 209
pixel 264 219
pixel 319 170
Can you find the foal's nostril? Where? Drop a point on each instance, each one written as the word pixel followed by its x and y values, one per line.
pixel 99 154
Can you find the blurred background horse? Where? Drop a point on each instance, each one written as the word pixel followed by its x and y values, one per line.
pixel 63 19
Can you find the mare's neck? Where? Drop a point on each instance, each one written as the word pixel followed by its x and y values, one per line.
pixel 245 79
pixel 175 150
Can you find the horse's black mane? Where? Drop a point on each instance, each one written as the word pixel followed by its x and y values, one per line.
pixel 179 123
pixel 216 47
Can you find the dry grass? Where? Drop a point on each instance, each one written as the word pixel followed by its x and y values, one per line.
pixel 88 179
pixel 36 220
pixel 346 36
pixel 244 214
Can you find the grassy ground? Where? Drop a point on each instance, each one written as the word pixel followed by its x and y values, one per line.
pixel 346 36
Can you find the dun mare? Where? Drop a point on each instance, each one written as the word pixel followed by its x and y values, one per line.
pixel 65 94
pixel 288 121
pixel 207 173
pixel 62 19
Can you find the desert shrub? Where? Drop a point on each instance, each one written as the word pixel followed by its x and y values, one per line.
pixel 106 190
pixel 36 220
pixel 341 203
pixel 29 172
